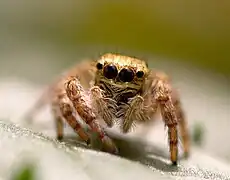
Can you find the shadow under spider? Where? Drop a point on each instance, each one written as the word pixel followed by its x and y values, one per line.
pixel 130 148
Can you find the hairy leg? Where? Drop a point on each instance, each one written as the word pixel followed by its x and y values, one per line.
pixel 58 121
pixel 80 100
pixel 40 103
pixel 162 94
pixel 67 113
pixel 182 125
pixel 85 69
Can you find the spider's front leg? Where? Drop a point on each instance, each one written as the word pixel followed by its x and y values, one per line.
pixel 62 104
pixel 161 92
pixel 80 100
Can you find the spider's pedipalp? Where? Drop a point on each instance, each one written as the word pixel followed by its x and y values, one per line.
pixel 133 112
pixel 106 107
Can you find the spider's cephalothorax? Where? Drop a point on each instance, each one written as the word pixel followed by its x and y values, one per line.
pixel 120 77
pixel 121 80
pixel 123 89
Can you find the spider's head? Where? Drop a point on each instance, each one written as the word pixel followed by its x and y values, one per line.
pixel 121 70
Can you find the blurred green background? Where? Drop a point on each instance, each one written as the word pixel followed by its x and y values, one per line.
pixel 194 31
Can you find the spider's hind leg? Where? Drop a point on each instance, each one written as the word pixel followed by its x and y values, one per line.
pixel 58 120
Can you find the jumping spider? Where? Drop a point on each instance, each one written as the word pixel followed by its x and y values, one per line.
pixel 116 88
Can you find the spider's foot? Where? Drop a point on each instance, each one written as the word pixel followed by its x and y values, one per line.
pixel 174 163
pixel 109 145
pixel 88 142
pixel 186 155
pixel 59 137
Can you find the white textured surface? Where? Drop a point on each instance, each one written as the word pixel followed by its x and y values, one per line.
pixel 56 161
pixel 74 163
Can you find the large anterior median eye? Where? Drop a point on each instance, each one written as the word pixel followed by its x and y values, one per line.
pixel 110 71
pixel 126 75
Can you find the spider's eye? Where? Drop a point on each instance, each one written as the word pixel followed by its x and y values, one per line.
pixel 110 71
pixel 126 75
pixel 140 74
pixel 99 66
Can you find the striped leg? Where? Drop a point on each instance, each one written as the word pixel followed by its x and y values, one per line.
pixel 183 127
pixel 80 100
pixel 67 113
pixel 162 94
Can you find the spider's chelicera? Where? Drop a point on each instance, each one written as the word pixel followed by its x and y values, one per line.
pixel 117 89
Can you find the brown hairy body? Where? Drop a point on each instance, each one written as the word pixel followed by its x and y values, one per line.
pixel 116 89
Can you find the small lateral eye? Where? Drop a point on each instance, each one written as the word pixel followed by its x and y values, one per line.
pixel 140 74
pixel 99 66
